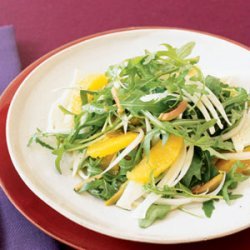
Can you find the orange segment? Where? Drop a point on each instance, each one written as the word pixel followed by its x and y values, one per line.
pixel 161 157
pixel 110 144
pixel 91 82
pixel 226 165
pixel 96 82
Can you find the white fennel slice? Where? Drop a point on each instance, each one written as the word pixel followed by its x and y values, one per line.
pixel 57 120
pixel 186 165
pixel 132 192
pixel 212 110
pixel 242 138
pixel 215 101
pixel 237 129
pixel 201 107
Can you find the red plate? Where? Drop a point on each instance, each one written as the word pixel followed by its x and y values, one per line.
pixel 53 223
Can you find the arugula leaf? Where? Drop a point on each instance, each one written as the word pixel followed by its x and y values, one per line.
pixel 241 97
pixel 208 170
pixel 127 163
pixel 35 138
pixel 208 208
pixel 101 189
pixel 109 184
pixel 233 178
pixel 96 120
pixel 135 105
pixel 65 111
pixel 202 128
pixel 214 84
pixel 201 169
pixel 185 50
pixel 148 57
pixel 194 170
pixel 154 213
pixel 59 154
pixel 43 144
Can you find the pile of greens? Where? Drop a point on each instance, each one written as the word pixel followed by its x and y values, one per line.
pixel 160 78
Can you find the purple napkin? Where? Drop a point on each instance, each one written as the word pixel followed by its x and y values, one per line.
pixel 9 60
pixel 15 231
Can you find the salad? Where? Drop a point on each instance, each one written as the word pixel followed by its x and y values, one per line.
pixel 153 134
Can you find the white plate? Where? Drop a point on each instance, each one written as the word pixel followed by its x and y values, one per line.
pixel 29 110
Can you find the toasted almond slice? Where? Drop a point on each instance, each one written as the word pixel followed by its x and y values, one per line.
pixel 210 185
pixel 174 113
pixel 117 101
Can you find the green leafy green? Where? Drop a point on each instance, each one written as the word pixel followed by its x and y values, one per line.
pixel 109 184
pixel 201 169
pixel 59 154
pixel 36 139
pixel 194 171
pixel 135 105
pixel 185 50
pixel 154 213
pixel 208 208
pixel 214 84
pixel 240 98
pixel 65 111
pixel 233 178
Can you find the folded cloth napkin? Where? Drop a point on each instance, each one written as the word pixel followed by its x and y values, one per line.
pixel 9 60
pixel 15 231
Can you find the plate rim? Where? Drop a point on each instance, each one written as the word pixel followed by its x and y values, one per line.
pixel 24 74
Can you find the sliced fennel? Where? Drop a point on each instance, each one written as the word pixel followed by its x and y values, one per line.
pixel 171 178
pixel 173 172
pixel 58 122
pixel 186 165
pixel 211 109
pixel 241 156
pixel 215 101
pixel 242 138
pixel 78 159
pixel 132 192
pixel 201 107
pixel 237 129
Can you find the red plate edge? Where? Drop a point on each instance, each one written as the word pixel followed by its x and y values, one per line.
pixel 32 207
